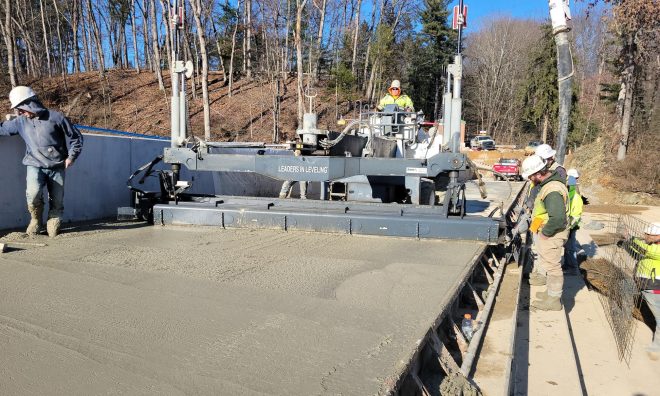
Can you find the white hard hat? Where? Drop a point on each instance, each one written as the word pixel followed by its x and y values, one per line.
pixel 531 165
pixel 20 94
pixel 395 84
pixel 573 172
pixel 653 229
pixel 545 151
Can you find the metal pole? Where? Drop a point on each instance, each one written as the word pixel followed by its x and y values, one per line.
pixel 559 15
pixel 174 105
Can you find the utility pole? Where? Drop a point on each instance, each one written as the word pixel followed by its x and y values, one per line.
pixel 559 15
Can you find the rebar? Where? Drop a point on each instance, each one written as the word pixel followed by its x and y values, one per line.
pixel 620 294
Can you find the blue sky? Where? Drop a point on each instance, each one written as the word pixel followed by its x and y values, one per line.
pixel 478 9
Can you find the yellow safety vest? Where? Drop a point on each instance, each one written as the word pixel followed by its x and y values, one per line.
pixel 649 266
pixel 576 206
pixel 403 101
pixel 539 213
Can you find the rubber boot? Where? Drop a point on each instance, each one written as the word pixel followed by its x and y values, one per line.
pixel 536 279
pixel 53 226
pixel 36 214
pixel 549 303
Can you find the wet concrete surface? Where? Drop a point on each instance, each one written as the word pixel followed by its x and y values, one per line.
pixel 114 308
pixel 122 308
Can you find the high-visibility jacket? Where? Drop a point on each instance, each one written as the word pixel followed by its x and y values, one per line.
pixel 540 215
pixel 649 266
pixel 575 206
pixel 403 101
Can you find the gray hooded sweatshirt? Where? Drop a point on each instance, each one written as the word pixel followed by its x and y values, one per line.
pixel 45 136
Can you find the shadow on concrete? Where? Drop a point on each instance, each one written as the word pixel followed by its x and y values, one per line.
pixel 103 225
pixel 475 206
pixel 572 285
pixel 109 224
pixel 520 370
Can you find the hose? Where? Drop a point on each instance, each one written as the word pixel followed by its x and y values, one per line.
pixel 496 173
pixel 326 144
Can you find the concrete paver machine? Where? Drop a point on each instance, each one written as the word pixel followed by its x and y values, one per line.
pixel 382 175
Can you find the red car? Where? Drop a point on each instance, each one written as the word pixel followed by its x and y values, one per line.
pixel 508 168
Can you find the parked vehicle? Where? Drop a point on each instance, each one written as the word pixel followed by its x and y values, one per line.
pixel 488 145
pixel 476 142
pixel 509 168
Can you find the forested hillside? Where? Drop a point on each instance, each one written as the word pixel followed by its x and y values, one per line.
pixel 108 63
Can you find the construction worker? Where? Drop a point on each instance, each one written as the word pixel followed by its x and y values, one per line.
pixel 45 133
pixel 395 96
pixel 648 273
pixel 548 154
pixel 575 175
pixel 575 205
pixel 287 185
pixel 550 224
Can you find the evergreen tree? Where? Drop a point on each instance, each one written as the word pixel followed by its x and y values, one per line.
pixel 540 91
pixel 431 52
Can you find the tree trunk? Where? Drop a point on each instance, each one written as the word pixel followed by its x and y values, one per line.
pixel 197 14
pixel 299 60
pixel 7 33
pixel 154 44
pixel 136 55
pixel 546 123
pixel 75 17
pixel 233 49
pixel 46 46
pixel 627 87
pixel 626 117
pixel 87 46
pixel 285 61
pixel 319 39
pixel 60 43
pixel 165 13
pixel 248 38
pixel 223 70
pixel 356 36
pixel 97 37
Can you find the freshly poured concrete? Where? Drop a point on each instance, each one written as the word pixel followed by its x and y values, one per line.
pixel 118 308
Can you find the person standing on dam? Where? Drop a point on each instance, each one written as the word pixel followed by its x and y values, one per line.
pixel 550 224
pixel 45 133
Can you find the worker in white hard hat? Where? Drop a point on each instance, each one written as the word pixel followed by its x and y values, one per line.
pixel 575 206
pixel 648 275
pixel 396 96
pixel 548 154
pixel 550 224
pixel 572 178
pixel 46 133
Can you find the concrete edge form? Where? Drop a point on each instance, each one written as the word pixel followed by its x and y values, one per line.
pixel 445 351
